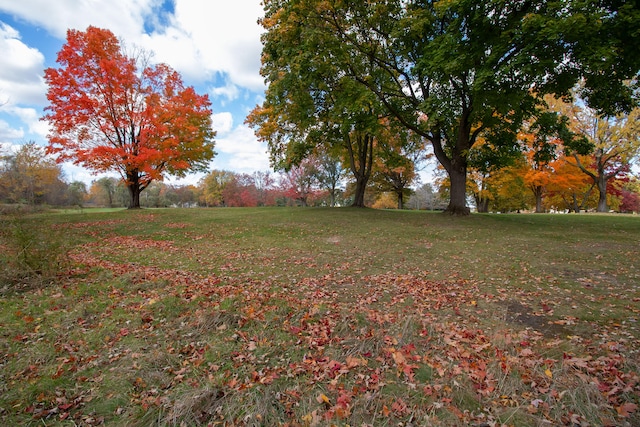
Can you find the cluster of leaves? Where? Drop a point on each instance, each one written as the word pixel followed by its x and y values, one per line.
pixel 150 342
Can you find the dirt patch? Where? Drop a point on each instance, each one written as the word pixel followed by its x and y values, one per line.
pixel 521 314
pixel 587 278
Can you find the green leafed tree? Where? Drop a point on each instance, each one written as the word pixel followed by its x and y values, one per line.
pixel 76 193
pixel 311 104
pixel 451 71
pixel 330 174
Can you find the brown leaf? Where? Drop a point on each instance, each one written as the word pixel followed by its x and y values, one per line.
pixel 626 409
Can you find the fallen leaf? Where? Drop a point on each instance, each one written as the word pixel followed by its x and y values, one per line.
pixel 626 409
pixel 322 398
pixel 385 411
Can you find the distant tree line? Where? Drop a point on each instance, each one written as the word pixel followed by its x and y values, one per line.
pixel 531 182
pixel 30 177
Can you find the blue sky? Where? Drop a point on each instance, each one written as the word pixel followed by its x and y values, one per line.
pixel 213 44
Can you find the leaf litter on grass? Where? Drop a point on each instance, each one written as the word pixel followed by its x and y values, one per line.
pixel 333 349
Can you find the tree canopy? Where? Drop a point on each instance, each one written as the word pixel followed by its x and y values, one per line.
pixel 451 71
pixel 110 111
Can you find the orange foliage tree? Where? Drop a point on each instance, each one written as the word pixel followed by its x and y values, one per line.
pixel 113 112
pixel 615 140
pixel 502 190
pixel 539 154
pixel 486 164
pixel 568 188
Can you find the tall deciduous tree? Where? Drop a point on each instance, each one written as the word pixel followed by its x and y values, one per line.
pixel 543 141
pixel 213 185
pixel 103 191
pixel 630 197
pixel 485 160
pixel 425 197
pixel 616 144
pixel 300 183
pixel 114 112
pixel 454 71
pixel 569 188
pixel 310 101
pixel 240 191
pixel 76 193
pixel 264 183
pixel 510 192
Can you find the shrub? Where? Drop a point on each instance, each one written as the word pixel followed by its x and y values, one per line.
pixel 31 251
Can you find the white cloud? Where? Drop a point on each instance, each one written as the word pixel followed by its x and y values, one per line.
pixel 230 92
pixel 245 152
pixel 198 39
pixel 31 118
pixel 222 123
pixel 21 69
pixel 221 37
pixel 7 147
pixel 124 17
pixel 9 133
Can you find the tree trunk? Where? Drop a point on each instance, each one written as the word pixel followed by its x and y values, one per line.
pixel 133 184
pixel 458 192
pixel 600 179
pixel 456 167
pixel 575 207
pixel 400 200
pixel 358 197
pixel 482 205
pixel 134 192
pixel 361 158
pixel 602 197
pixel 537 192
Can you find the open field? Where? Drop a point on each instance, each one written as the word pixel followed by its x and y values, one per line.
pixel 314 317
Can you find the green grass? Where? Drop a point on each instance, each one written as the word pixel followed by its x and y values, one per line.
pixel 273 316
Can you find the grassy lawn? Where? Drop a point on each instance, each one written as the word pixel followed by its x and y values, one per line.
pixel 314 317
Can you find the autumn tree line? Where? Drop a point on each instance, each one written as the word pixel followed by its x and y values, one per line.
pixel 524 105
pixel 544 174
pixel 31 177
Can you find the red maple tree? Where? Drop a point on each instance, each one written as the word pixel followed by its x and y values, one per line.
pixel 113 112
